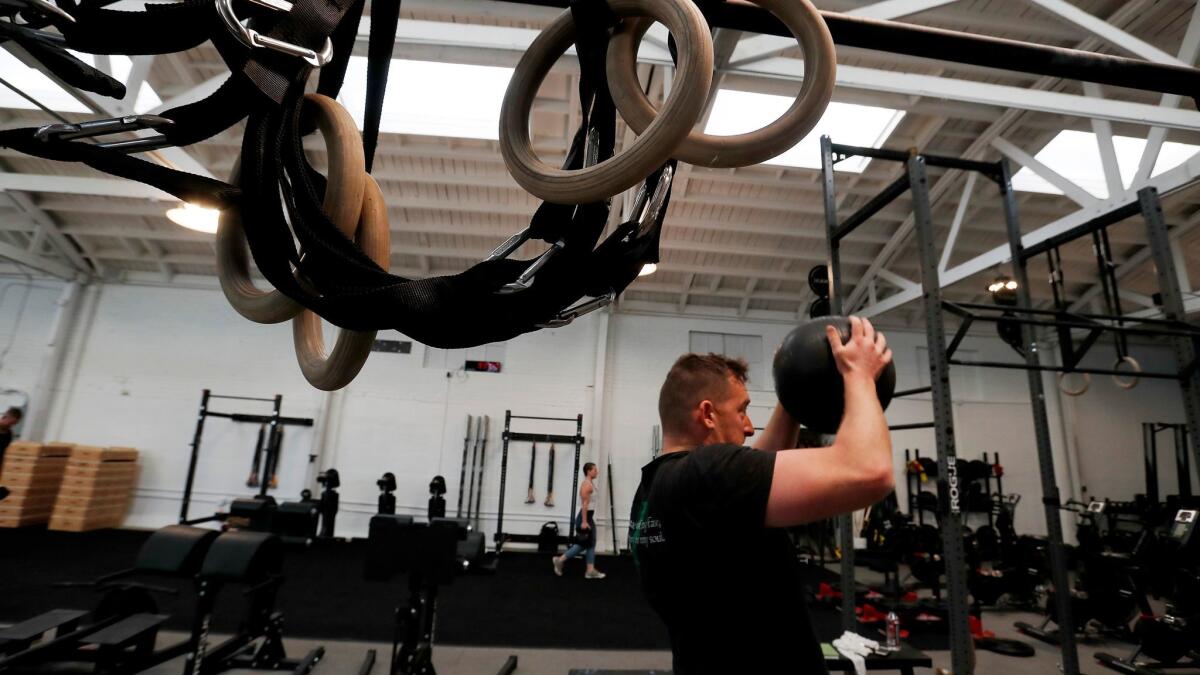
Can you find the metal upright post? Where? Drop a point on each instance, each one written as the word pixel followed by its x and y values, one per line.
pixel 575 481
pixel 1173 309
pixel 503 480
pixel 1150 452
pixel 949 510
pixel 1182 462
pixel 1051 499
pixel 273 442
pixel 845 524
pixel 191 473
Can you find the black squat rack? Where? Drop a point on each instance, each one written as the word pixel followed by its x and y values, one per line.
pixel 501 537
pixel 1183 336
pixel 274 435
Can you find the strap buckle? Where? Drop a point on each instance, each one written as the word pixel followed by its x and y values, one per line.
pixel 253 39
pixel 591 155
pixel 112 125
pixel 587 307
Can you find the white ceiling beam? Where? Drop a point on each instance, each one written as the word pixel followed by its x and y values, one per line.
pixel 747 296
pixel 58 240
pixel 1166 182
pixel 952 238
pixel 38 262
pixel 687 287
pixel 192 94
pixel 1002 96
pixel 1102 129
pixel 897 280
pixel 1107 32
pixel 1069 188
pixel 1128 13
pixel 759 47
pixel 1189 50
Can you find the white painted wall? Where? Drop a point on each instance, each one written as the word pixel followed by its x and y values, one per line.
pixel 140 355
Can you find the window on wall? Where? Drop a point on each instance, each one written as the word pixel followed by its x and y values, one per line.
pixel 748 347
pixel 453 359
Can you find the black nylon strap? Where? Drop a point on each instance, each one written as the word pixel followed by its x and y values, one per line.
pixel 59 61
pixel 333 74
pixel 385 17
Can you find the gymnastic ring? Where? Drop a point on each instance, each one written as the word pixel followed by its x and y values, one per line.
pixel 350 352
pixel 1137 368
pixel 820 71
pixel 342 205
pixel 1079 391
pixel 693 78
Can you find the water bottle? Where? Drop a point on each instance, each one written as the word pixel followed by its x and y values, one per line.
pixel 893 632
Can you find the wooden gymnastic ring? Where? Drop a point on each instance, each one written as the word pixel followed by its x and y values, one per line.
pixel 820 71
pixel 1137 368
pixel 350 352
pixel 1078 391
pixel 343 205
pixel 693 78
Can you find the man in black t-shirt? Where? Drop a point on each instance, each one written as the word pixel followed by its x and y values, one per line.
pixel 708 517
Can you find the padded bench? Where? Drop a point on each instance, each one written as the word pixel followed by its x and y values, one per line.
pixel 21 635
pixel 127 631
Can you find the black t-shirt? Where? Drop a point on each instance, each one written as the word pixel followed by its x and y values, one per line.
pixel 728 588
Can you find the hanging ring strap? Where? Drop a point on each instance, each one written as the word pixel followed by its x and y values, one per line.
pixel 342 204
pixel 352 348
pixel 820 71
pixel 693 78
pixel 1134 379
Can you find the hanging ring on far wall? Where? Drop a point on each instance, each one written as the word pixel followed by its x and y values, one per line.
pixel 1074 391
pixel 1134 377
pixel 693 78
pixel 342 205
pixel 820 71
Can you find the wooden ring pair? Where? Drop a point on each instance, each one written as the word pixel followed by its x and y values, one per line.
pixel 355 204
pixel 665 133
pixel 820 72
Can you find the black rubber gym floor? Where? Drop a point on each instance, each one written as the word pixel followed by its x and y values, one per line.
pixel 325 597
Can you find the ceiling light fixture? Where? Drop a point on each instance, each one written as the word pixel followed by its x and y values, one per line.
pixel 193 217
pixel 648 269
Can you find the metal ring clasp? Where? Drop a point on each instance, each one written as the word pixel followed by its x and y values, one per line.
pixel 252 38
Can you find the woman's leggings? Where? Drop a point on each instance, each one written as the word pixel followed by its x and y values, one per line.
pixel 576 549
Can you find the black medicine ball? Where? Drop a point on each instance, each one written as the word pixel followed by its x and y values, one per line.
pixel 807 380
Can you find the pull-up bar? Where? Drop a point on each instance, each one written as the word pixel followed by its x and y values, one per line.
pixel 959 47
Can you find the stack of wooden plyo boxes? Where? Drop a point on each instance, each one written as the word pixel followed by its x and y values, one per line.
pixel 97 487
pixel 32 472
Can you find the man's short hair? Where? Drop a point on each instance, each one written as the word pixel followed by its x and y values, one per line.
pixel 588 467
pixel 695 378
pixel 15 412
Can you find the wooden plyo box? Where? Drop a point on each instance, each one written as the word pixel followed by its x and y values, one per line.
pixel 97 487
pixel 33 473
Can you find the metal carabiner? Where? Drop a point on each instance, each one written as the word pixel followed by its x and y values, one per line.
pixel 112 125
pixel 524 281
pixel 568 315
pixel 648 210
pixel 591 155
pixel 252 38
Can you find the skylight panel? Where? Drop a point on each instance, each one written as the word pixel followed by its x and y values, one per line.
pixel 1076 156
pixel 432 99
pixel 738 112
